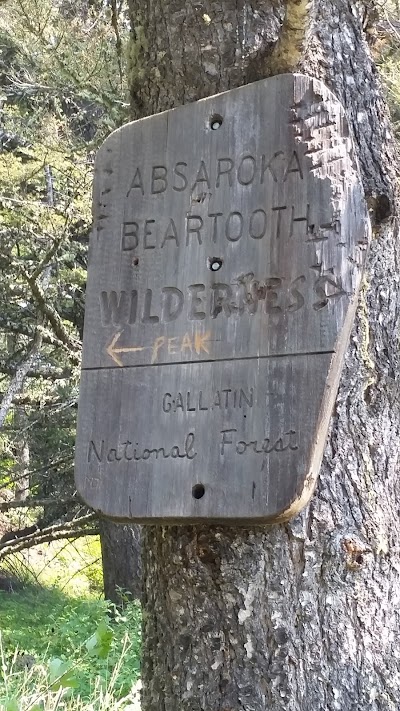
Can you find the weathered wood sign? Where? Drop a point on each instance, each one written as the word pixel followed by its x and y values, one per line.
pixel 228 244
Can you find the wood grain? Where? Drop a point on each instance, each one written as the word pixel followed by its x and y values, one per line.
pixel 226 256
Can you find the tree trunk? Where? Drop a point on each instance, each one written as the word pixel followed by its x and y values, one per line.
pixel 21 469
pixel 120 551
pixel 302 615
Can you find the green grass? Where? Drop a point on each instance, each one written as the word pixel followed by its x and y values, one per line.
pixel 71 566
pixel 46 631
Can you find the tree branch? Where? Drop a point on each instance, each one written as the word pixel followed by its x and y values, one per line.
pixel 6 324
pixel 17 382
pixel 71 529
pixel 47 257
pixel 46 372
pixel 32 503
pixel 53 317
pixel 23 543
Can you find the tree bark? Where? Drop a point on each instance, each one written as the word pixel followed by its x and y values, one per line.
pixel 120 551
pixel 21 470
pixel 302 615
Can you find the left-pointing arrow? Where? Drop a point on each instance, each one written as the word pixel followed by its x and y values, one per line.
pixel 113 352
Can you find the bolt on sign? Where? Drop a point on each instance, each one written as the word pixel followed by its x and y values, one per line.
pixel 225 261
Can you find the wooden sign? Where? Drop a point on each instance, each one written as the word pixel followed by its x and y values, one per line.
pixel 226 256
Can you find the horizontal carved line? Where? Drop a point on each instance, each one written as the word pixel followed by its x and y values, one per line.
pixel 209 360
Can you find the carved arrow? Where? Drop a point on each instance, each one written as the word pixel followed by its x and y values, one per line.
pixel 113 351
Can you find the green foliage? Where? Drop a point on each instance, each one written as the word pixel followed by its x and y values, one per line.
pixel 387 52
pixel 61 92
pixel 79 647
pixel 60 648
pixel 99 644
pixel 61 675
pixel 74 567
pixel 38 689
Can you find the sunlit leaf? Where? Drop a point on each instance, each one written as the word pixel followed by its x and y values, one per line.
pixel 99 643
pixel 61 675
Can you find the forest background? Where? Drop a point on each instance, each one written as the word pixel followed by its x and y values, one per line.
pixel 63 89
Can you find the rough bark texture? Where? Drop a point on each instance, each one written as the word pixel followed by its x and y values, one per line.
pixel 303 615
pixel 21 469
pixel 120 551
